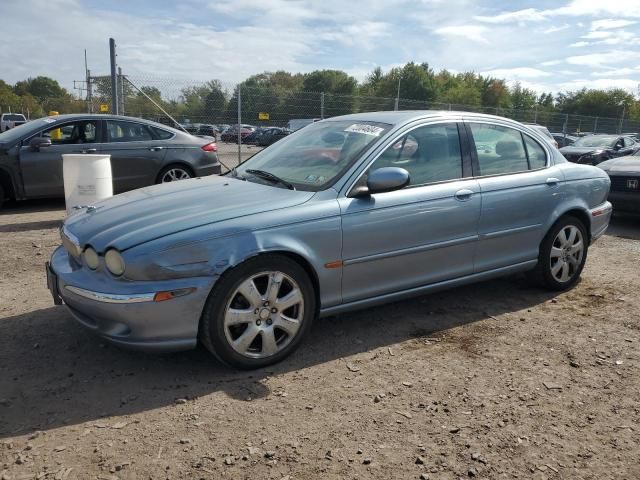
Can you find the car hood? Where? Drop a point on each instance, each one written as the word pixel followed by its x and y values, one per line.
pixel 629 164
pixel 139 216
pixel 572 150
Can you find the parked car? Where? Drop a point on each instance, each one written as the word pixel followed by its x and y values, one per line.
pixel 142 153
pixel 252 138
pixel 272 135
pixel 544 131
pixel 335 217
pixel 11 120
pixel 231 134
pixel 298 123
pixel 624 173
pixel 564 140
pixel 594 149
pixel 207 130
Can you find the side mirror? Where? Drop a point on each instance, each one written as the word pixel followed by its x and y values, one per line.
pixel 385 179
pixel 37 143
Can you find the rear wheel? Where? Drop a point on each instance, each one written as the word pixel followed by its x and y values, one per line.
pixel 258 313
pixel 2 194
pixel 173 173
pixel 563 254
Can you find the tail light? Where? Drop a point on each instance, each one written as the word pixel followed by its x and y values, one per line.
pixel 210 147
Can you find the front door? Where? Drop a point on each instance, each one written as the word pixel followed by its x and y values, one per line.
pixel 421 234
pixel 42 169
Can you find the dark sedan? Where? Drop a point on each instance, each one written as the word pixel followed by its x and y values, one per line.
pixel 624 173
pixel 564 140
pixel 594 149
pixel 272 135
pixel 142 153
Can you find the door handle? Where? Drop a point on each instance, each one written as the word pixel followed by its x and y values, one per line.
pixel 155 149
pixel 89 150
pixel 552 181
pixel 464 194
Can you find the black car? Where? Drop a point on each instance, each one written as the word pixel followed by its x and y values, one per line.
pixel 594 149
pixel 208 130
pixel 564 140
pixel 272 135
pixel 624 173
pixel 142 153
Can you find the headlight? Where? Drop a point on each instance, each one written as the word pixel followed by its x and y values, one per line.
pixel 91 258
pixel 114 262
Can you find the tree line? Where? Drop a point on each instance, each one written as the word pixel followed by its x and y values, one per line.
pixel 287 95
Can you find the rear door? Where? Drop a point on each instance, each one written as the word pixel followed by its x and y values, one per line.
pixel 519 191
pixel 42 169
pixel 136 154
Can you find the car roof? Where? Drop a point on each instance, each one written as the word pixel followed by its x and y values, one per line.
pixel 405 116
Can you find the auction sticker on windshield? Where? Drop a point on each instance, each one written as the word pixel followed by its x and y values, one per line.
pixel 364 128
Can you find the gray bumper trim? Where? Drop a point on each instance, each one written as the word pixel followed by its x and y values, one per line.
pixel 111 297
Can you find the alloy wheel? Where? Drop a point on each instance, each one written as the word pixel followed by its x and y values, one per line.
pixel 263 314
pixel 174 174
pixel 566 255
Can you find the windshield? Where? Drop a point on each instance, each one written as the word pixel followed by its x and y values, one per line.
pixel 595 141
pixel 315 157
pixel 24 129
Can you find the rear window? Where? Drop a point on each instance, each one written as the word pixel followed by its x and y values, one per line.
pixel 161 134
pixel 14 117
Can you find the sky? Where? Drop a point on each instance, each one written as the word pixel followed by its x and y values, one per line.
pixel 545 45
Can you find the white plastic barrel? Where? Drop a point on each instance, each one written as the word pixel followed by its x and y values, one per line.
pixel 87 179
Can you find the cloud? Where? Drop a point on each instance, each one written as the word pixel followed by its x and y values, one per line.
pixel 608 83
pixel 471 32
pixel 518 72
pixel 609 59
pixel 610 23
pixel 556 29
pixel 579 44
pixel 526 15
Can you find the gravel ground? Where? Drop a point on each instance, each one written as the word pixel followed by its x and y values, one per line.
pixel 495 380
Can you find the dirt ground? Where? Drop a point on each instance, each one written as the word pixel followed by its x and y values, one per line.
pixel 495 380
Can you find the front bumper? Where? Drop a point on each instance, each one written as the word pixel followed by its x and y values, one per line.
pixel 600 217
pixel 625 201
pixel 124 313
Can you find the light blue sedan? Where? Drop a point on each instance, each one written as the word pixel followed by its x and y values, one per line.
pixel 344 214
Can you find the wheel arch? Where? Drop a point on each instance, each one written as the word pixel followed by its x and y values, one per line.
pixel 300 259
pixel 579 213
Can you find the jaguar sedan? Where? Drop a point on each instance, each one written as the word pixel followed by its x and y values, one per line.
pixel 345 214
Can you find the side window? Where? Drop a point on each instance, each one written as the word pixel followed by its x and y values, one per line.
pixel 430 154
pixel 119 131
pixel 83 131
pixel 628 141
pixel 537 157
pixel 500 149
pixel 161 134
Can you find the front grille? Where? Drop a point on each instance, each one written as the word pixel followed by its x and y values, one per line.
pixel 625 184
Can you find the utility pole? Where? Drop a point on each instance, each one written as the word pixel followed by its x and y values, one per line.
pixel 88 74
pixel 322 106
pixel 114 80
pixel 398 94
pixel 239 124
pixel 621 119
pixel 120 92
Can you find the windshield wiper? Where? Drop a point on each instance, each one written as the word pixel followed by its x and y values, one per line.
pixel 271 177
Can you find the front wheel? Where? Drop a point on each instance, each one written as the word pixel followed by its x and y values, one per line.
pixel 258 312
pixel 563 254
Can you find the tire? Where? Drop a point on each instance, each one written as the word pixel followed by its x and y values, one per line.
pixel 258 329
pixel 560 261
pixel 2 194
pixel 180 172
